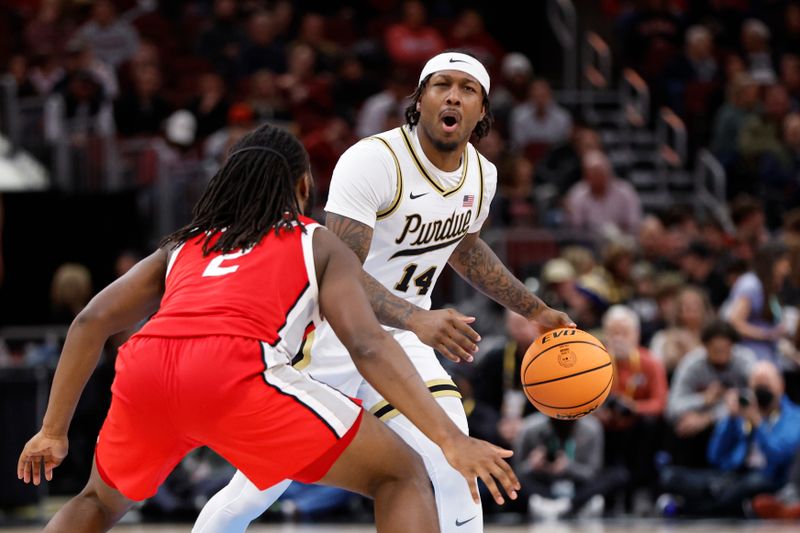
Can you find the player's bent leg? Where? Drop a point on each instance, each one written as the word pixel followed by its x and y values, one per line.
pixel 458 513
pixel 236 505
pixel 379 465
pixel 97 508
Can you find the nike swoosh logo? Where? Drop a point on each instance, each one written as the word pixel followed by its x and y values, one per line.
pixel 415 196
pixel 459 524
pixel 459 61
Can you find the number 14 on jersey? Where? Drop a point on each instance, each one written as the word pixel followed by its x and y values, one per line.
pixel 422 281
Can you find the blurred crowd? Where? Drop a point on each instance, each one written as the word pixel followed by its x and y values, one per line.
pixel 700 317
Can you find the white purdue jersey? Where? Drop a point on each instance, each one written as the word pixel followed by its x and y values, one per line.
pixel 418 213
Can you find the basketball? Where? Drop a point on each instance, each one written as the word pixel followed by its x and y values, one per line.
pixel 567 373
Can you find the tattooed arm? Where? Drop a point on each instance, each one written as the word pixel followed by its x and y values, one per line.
pixel 445 330
pixel 481 268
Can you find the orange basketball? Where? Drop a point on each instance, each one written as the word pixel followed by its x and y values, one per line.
pixel 567 373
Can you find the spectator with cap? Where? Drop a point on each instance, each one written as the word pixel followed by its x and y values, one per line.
pixel 558 284
pixel 241 119
pixel 516 73
pixel 601 199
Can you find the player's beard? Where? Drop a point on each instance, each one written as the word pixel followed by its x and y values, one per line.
pixel 439 144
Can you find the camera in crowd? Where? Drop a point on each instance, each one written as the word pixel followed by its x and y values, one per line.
pixel 745 397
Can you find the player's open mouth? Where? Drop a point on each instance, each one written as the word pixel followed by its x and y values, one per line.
pixel 450 121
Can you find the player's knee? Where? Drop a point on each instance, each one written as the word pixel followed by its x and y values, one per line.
pixel 106 510
pixel 407 468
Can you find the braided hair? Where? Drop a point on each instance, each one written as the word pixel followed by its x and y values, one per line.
pixel 252 193
pixel 482 128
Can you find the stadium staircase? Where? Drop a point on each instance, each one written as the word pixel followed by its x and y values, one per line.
pixel 649 151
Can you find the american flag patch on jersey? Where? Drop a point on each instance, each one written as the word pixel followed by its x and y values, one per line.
pixel 469 199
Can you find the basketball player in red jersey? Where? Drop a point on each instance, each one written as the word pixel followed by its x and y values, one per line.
pixel 234 292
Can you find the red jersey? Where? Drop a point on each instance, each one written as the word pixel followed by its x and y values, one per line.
pixel 268 293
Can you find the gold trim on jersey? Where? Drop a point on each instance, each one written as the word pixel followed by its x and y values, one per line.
pixel 306 351
pixel 480 174
pixel 439 388
pixel 441 190
pixel 398 195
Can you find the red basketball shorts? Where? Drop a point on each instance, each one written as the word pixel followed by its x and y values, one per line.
pixel 172 395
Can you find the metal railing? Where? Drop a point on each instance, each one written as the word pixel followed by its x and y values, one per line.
pixel 563 21
pixel 709 171
pixel 596 73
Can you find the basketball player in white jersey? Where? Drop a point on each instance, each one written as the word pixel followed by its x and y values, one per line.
pixel 408 202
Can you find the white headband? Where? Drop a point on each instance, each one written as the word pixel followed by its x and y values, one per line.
pixel 456 61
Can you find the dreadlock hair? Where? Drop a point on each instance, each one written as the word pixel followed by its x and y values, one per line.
pixel 481 128
pixel 252 193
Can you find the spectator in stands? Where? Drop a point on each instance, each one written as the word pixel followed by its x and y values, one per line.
pixel 49 26
pixel 516 74
pixel 46 71
pixel 749 221
pixel 221 43
pixel 325 145
pixel 468 32
pixel 70 291
pixel 378 109
pixel 307 93
pixel 86 111
pixel 143 111
pixel 618 256
pixel 779 173
pixel 682 336
pixel 113 39
pixel 210 105
pixel 741 100
pixel 558 284
pixel 560 466
pixel 312 31
pixel 697 392
pixel 693 84
pixel 412 41
pixel 515 205
pixel 592 302
pixel 538 123
pixel 751 450
pixel 632 414
pixel 241 119
pixel 261 48
pixel 352 86
pixel 601 200
pixel 560 167
pixel 760 135
pixel 265 100
pixel 497 377
pixel 753 306
pixel 790 77
pixel 756 46
pixel 81 57
pixel 18 69
pixel 701 266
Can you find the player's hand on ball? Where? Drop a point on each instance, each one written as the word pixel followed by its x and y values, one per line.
pixel 475 458
pixel 41 448
pixel 550 318
pixel 448 332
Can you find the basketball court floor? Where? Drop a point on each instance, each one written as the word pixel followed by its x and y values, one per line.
pixel 605 526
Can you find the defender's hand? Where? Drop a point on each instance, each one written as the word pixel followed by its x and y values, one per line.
pixel 41 448
pixel 475 458
pixel 448 332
